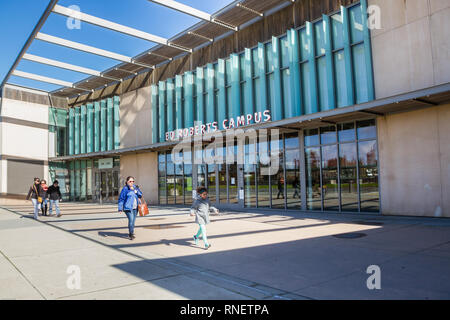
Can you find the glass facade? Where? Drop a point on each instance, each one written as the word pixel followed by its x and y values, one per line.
pixel 322 66
pixel 89 128
pixel 340 171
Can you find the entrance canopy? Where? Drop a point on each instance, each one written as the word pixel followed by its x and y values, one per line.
pixel 210 27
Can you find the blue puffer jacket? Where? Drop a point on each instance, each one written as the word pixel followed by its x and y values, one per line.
pixel 127 196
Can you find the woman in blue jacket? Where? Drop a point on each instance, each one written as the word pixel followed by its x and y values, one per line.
pixel 128 203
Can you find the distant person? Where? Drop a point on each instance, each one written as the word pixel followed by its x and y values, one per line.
pixel 296 186
pixel 280 188
pixel 200 209
pixel 34 192
pixel 128 203
pixel 54 196
pixel 43 195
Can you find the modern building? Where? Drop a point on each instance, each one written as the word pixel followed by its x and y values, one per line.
pixel 349 100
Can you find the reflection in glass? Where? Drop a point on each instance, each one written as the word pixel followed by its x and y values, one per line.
pixel 162 178
pixel 313 194
pixel 349 189
pixel 179 184
pixel 222 183
pixel 293 178
pixel 330 178
pixel 233 184
pixel 346 132
pixel 367 129
pixel 170 179
pixel 250 185
pixel 368 176
pixel 212 182
pixel 187 177
pixel 263 186
pixel 328 135
pixel 311 137
pixel 277 176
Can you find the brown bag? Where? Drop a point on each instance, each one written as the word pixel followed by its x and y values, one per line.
pixel 142 207
pixel 39 199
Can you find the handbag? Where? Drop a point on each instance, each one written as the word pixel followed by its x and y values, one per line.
pixel 39 199
pixel 142 207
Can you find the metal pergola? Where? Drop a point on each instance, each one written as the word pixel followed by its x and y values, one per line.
pixel 212 27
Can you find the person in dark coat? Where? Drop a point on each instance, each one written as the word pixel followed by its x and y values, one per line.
pixel 54 196
pixel 34 193
pixel 43 195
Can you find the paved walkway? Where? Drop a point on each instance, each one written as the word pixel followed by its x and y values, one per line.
pixel 269 255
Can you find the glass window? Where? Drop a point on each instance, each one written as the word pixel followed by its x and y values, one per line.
pixel 341 84
pixel 263 185
pixel 337 31
pixel 255 60
pixel 311 137
pixel 162 178
pixel 293 197
pixel 360 74
pixel 212 182
pixel 367 129
pixel 323 83
pixel 304 47
pixel 287 91
pixel 277 176
pixel 346 132
pixel 319 32
pixel 291 140
pixel 269 57
pixel 330 178
pixel 187 177
pixel 313 192
pixel 257 95
pixel 228 71
pixel 328 135
pixel 284 45
pixel 349 188
pixel 356 27
pixel 250 185
pixel 222 183
pixel 271 91
pixel 306 87
pixel 170 179
pixel 368 176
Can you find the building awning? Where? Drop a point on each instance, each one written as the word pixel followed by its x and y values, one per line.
pixel 411 101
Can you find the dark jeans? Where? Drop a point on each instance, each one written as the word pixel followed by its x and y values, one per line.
pixel 131 215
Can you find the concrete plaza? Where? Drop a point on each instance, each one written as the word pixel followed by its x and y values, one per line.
pixel 263 255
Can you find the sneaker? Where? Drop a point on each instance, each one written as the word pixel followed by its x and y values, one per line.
pixel 131 235
pixel 196 240
pixel 58 215
pixel 207 246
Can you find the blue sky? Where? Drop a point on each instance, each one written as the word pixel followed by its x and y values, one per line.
pixel 19 17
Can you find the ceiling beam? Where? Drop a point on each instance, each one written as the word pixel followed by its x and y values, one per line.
pixel 67 66
pixel 111 25
pixel 36 77
pixel 82 47
pixel 191 11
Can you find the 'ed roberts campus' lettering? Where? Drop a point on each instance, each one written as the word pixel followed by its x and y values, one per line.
pixel 231 123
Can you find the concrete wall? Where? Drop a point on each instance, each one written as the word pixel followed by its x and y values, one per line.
pixel 144 168
pixel 24 141
pixel 414 155
pixel 135 118
pixel 411 51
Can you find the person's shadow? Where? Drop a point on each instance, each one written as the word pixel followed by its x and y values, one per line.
pixel 113 234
